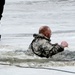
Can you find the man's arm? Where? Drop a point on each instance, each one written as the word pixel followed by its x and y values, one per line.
pixel 50 49
pixel 56 49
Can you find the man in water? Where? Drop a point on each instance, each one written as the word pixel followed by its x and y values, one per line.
pixel 2 2
pixel 41 45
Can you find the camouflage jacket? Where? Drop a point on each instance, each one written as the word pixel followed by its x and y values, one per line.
pixel 42 47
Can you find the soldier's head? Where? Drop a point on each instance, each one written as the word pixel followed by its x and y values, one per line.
pixel 45 30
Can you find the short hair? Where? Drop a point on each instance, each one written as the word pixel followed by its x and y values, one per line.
pixel 43 29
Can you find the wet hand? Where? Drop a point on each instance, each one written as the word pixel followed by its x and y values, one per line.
pixel 64 44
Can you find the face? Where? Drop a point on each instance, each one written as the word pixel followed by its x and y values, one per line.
pixel 48 33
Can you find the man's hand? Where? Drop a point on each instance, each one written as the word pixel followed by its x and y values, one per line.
pixel 64 44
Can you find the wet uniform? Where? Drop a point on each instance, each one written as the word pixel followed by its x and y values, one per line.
pixel 42 47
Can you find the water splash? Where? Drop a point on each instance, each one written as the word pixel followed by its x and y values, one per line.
pixel 20 58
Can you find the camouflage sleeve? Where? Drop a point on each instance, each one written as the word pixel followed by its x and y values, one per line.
pixel 51 49
pixel 56 49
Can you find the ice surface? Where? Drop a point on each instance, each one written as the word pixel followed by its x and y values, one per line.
pixel 22 18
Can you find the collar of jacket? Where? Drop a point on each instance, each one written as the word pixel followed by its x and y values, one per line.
pixel 40 36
